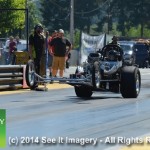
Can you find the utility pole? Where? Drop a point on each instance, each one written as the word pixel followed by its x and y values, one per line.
pixel 108 17
pixel 27 22
pixel 72 21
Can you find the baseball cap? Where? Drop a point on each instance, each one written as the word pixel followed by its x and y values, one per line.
pixel 61 31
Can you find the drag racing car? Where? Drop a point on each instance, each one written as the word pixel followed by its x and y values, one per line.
pixel 103 71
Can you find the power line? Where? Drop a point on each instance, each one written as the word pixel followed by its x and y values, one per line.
pixel 79 13
pixel 58 5
pixel 87 12
pixel 63 18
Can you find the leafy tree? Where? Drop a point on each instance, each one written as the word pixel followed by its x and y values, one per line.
pixel 12 19
pixel 140 14
pixel 84 13
pixel 117 16
pixel 56 14
pixel 120 11
pixel 127 14
pixel 131 14
pixel 105 16
pixel 34 15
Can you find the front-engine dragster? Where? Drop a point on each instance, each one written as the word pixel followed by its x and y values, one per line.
pixel 104 71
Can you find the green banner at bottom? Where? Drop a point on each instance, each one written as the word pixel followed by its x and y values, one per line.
pixel 2 128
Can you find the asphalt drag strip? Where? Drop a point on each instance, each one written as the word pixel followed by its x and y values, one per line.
pixel 54 86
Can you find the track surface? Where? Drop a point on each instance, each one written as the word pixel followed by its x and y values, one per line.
pixel 59 113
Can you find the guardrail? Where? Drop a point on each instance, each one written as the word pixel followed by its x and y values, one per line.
pixel 12 75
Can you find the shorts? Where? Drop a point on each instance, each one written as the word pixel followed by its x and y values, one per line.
pixel 58 63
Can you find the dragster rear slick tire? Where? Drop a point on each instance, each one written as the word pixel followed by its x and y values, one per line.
pixel 130 82
pixel 83 91
pixel 30 77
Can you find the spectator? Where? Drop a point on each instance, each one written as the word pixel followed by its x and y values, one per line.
pixel 37 49
pixel 6 52
pixel 12 49
pixel 51 51
pixel 60 43
pixel 17 40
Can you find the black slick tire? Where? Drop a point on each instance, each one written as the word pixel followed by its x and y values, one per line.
pixel 130 82
pixel 83 91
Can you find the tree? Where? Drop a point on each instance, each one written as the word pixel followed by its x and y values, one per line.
pixel 55 14
pixel 12 19
pixel 121 11
pixel 84 12
pixel 140 14
pixel 114 15
pixel 105 16
pixel 34 15
pixel 131 14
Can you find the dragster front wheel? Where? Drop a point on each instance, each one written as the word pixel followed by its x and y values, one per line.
pixel 30 76
pixel 83 91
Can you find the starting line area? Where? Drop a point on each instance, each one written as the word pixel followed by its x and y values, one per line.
pixel 53 86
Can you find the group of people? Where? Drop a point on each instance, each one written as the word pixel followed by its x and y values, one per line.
pixel 10 48
pixel 58 48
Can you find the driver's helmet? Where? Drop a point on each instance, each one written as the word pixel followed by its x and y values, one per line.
pixel 112 55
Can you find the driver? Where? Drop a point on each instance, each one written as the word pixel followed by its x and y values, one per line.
pixel 114 40
pixel 113 46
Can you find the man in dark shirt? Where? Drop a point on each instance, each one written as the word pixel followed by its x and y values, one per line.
pixel 37 48
pixel 60 52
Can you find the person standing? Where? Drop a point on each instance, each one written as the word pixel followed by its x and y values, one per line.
pixel 17 40
pixel 6 52
pixel 12 49
pixel 59 44
pixel 37 49
pixel 51 51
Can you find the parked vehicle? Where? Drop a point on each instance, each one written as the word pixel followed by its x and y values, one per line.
pixel 129 56
pixel 136 53
pixel 142 52
pixel 21 55
pixel 22 46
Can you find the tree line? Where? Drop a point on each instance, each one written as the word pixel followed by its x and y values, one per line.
pixel 13 16
pixel 122 17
